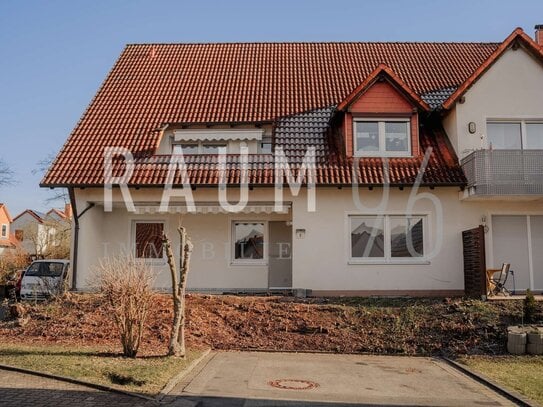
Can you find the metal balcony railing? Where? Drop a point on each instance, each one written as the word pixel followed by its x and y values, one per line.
pixel 504 172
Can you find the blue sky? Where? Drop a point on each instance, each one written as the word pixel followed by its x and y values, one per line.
pixel 55 54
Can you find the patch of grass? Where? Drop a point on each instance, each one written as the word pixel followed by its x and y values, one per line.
pixel 523 374
pixel 145 375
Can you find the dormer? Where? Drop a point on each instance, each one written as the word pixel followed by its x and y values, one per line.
pixel 199 139
pixel 381 117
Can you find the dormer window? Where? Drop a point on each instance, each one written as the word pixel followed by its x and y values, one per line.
pixel 382 137
pixel 198 148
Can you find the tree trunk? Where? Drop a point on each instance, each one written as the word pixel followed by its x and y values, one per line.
pixel 177 339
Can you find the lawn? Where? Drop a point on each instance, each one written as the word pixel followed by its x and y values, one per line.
pixel 145 375
pixel 523 374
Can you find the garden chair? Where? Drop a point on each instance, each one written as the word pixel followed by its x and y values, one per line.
pixel 496 279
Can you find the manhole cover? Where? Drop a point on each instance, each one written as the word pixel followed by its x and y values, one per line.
pixel 293 384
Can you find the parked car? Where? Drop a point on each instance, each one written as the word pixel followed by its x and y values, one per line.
pixel 44 278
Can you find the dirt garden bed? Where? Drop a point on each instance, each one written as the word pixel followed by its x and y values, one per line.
pixel 394 326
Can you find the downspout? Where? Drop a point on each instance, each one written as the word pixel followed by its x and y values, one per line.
pixel 76 217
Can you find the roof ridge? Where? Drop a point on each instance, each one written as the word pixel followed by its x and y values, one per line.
pixel 310 42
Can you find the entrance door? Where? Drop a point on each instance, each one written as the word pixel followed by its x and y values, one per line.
pixel 280 255
pixel 518 240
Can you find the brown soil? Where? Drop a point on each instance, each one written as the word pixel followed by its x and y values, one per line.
pixel 398 326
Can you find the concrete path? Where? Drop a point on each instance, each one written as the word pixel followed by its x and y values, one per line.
pixel 287 379
pixel 24 390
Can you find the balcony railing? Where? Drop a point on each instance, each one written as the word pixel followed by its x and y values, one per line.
pixel 504 172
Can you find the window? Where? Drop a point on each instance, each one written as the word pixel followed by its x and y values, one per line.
pixel 19 235
pixel 45 269
pixel 534 136
pixel 249 242
pixel 198 148
pixel 390 137
pixel 386 238
pixel 265 146
pixel 515 135
pixel 148 240
pixel 4 230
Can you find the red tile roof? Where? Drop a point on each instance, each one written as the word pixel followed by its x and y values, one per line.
pixel 154 84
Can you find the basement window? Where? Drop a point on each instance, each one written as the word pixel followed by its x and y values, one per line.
pixel 249 243
pixel 387 238
pixel 148 240
pixel 382 137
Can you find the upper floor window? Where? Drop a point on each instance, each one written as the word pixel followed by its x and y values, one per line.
pixel 4 230
pixel 198 147
pixel 265 146
pixel 382 138
pixel 515 135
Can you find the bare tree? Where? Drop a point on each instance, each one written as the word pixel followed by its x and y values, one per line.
pixel 177 339
pixel 6 174
pixel 58 194
pixel 127 287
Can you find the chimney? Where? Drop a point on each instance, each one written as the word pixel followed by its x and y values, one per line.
pixel 68 210
pixel 539 34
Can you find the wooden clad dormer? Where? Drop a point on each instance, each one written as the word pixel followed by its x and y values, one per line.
pixel 384 113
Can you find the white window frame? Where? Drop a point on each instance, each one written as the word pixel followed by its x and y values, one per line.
pixel 4 225
pixel 200 145
pixel 248 262
pixel 382 137
pixel 388 259
pixel 133 241
pixel 523 132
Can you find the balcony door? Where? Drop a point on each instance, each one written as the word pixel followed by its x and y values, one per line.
pixel 518 240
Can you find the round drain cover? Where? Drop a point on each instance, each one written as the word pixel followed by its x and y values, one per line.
pixel 293 384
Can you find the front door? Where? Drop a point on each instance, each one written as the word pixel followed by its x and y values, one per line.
pixel 280 255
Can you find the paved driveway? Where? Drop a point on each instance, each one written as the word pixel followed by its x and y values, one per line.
pixel 275 379
pixel 23 390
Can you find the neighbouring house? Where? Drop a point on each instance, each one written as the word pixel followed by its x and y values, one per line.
pixel 6 237
pixel 441 139
pixel 40 233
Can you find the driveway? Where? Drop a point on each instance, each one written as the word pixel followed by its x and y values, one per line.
pixel 285 379
pixel 24 390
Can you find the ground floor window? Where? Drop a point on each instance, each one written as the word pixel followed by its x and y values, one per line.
pixel 248 241
pixel 148 239
pixel 386 238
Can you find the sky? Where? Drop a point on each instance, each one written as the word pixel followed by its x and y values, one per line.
pixel 55 54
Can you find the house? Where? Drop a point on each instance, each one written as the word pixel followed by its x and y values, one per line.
pixel 6 238
pixel 358 168
pixel 39 233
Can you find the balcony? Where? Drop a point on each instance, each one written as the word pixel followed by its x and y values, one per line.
pixel 503 173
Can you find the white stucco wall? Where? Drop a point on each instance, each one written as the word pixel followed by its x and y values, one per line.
pixel 511 89
pixel 320 259
pixel 105 234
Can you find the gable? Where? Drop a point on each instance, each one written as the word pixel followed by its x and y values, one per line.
pixel 510 89
pixel 381 97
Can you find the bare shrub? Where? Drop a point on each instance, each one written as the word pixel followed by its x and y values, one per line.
pixel 127 287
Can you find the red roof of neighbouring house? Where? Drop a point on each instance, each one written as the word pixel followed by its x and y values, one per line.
pixel 5 208
pixel 35 214
pixel 155 84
